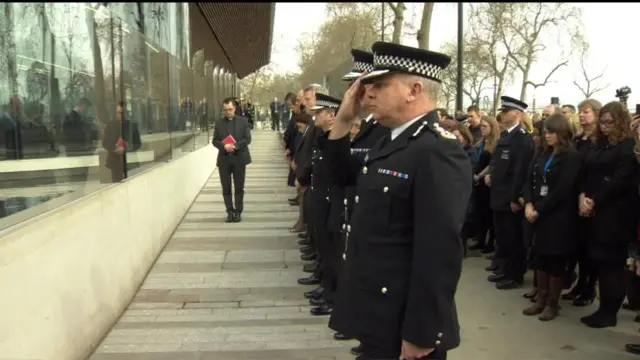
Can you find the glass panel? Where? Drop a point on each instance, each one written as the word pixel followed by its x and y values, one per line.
pixel 69 73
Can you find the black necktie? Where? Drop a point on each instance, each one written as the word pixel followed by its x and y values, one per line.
pixel 504 133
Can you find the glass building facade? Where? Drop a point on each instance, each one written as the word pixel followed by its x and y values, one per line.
pixel 93 93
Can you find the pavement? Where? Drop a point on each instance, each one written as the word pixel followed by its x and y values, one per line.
pixel 228 292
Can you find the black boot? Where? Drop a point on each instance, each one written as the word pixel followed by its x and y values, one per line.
pixel 237 217
pixel 230 217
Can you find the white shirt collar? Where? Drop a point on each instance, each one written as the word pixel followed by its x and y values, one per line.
pixel 397 131
pixel 368 118
pixel 509 130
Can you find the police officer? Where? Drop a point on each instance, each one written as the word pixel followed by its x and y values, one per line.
pixel 509 168
pixel 324 111
pixel 396 295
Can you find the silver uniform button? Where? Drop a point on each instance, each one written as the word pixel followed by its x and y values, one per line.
pixel 312 188
pixel 320 157
pixel 364 170
pixel 439 335
pixel 348 228
pixel 437 342
pixel 345 201
pixel 357 199
pixel 344 256
pixel 344 226
pixel 327 198
pixel 386 188
pixel 384 290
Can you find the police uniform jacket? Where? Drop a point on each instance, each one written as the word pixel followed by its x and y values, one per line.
pixel 410 203
pixel 509 167
pixel 303 154
pixel 553 191
pixel 319 180
pixel 610 173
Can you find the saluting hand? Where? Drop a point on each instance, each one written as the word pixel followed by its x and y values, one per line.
pixel 350 106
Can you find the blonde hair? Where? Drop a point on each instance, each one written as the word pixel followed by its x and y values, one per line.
pixel 526 122
pixel 492 140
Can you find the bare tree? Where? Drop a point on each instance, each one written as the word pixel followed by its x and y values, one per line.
pixel 530 22
pixel 477 73
pixel 348 26
pixel 398 20
pixel 425 26
pixel 486 38
pixel 589 85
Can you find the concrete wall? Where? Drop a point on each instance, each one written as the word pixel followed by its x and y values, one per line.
pixel 68 274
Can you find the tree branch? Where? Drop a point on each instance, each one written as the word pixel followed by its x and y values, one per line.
pixel 546 80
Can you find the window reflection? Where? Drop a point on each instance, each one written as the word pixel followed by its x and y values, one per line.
pixel 76 78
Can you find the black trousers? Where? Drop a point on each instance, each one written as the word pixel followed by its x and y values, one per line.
pixel 275 122
pixel 237 171
pixel 509 238
pixel 375 350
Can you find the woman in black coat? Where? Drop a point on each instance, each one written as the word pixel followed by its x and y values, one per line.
pixel 466 140
pixel 609 199
pixel 551 205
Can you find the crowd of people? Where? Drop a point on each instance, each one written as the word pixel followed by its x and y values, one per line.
pixel 556 193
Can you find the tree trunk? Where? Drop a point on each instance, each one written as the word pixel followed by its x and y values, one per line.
pixel 398 22
pixel 425 26
pixel 100 102
pixel 8 45
pixel 523 89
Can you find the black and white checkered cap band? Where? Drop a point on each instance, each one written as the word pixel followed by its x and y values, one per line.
pixel 326 104
pixel 359 66
pixel 410 65
pixel 512 105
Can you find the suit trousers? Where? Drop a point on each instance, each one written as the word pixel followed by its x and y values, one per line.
pixel 509 237
pixel 238 171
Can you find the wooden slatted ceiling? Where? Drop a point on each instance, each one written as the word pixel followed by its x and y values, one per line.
pixel 245 32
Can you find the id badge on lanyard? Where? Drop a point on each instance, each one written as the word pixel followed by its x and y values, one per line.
pixel 544 189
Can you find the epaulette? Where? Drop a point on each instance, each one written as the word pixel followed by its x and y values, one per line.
pixel 436 128
pixel 523 131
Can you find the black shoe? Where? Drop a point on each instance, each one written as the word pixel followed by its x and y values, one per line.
pixel 237 217
pixel 304 242
pixel 321 310
pixel 295 199
pixel 294 203
pixel 571 295
pixel 494 278
pixel 632 348
pixel 308 257
pixel 310 268
pixel 340 337
pixel 357 350
pixel 315 293
pixel 303 235
pixel 598 320
pixel 311 280
pixel 476 246
pixel 230 217
pixel 508 284
pixel 492 268
pixel 307 249
pixel 583 300
pixel 317 302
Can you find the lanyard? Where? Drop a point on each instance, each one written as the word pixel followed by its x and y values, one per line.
pixel 547 164
pixel 481 149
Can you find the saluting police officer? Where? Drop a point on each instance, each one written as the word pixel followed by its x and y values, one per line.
pixel 324 112
pixel 396 295
pixel 342 196
pixel 509 167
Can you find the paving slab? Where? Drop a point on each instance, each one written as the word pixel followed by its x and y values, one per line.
pixel 228 292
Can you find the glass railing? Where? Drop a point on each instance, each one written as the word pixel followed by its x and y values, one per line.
pixel 93 94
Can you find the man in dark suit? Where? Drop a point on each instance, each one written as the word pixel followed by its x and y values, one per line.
pixel 121 136
pixel 275 111
pixel 232 137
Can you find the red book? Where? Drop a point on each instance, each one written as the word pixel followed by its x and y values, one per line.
pixel 229 140
pixel 121 144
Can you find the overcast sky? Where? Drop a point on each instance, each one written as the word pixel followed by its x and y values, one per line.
pixel 611 29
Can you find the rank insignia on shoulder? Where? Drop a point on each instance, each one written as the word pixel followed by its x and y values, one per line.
pixel 366 158
pixel 444 133
pixel 523 131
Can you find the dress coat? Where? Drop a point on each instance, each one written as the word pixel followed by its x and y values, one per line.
pixel 555 197
pixel 403 269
